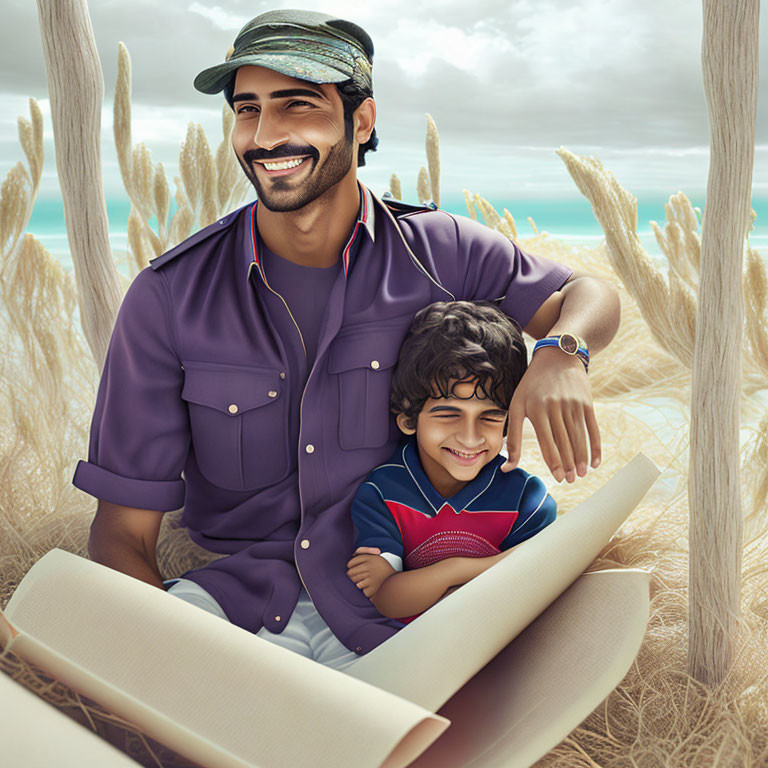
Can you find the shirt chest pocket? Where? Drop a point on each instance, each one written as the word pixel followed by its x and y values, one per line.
pixel 363 362
pixel 239 423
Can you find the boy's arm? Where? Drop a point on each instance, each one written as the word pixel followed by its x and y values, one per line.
pixel 411 592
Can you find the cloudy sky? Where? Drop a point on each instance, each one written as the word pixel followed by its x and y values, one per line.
pixel 507 82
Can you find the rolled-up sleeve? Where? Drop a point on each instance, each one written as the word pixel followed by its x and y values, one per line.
pixel 140 430
pixel 496 269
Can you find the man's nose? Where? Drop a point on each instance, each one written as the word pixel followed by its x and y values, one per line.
pixel 270 132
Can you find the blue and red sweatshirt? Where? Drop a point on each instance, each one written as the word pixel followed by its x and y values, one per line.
pixel 398 510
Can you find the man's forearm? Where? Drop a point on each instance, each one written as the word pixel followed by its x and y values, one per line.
pixel 114 544
pixel 590 309
pixel 410 592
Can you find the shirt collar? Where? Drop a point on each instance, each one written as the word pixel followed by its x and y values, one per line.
pixel 459 501
pixel 365 223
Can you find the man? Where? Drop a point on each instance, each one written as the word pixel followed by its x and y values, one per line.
pixel 255 358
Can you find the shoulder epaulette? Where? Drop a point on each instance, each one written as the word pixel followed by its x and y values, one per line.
pixel 398 208
pixel 198 237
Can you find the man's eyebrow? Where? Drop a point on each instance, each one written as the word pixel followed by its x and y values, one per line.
pixel 284 94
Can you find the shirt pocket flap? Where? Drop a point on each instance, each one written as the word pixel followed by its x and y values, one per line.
pixel 371 349
pixel 231 389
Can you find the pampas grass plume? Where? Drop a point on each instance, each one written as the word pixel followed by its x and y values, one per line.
pixel 395 187
pixel 423 189
pixel 433 159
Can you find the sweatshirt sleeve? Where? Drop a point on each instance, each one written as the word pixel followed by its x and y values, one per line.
pixel 536 510
pixel 375 525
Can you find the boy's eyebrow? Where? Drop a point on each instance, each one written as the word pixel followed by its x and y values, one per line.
pixel 454 408
pixel 284 94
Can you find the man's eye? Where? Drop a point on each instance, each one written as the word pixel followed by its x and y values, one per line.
pixel 494 419
pixel 246 108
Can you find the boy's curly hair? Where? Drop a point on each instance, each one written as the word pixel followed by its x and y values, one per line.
pixel 453 341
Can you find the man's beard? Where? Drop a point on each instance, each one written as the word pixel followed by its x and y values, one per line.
pixel 282 196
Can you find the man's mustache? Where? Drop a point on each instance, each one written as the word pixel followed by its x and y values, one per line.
pixel 285 150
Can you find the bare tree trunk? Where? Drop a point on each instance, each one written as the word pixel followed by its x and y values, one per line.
pixel 729 63
pixel 76 88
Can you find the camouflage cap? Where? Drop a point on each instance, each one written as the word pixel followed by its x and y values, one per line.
pixel 302 44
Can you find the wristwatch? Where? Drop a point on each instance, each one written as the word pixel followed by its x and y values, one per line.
pixel 568 343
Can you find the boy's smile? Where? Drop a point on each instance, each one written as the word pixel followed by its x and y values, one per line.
pixel 457 436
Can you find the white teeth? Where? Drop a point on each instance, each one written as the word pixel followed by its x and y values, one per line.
pixel 282 166
pixel 464 455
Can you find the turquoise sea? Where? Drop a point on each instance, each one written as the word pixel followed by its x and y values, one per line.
pixel 570 220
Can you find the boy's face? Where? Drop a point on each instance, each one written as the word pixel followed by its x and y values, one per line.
pixel 457 436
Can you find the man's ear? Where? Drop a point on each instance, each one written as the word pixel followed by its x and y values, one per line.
pixel 403 423
pixel 365 120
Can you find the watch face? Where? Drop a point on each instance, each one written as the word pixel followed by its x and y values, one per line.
pixel 569 343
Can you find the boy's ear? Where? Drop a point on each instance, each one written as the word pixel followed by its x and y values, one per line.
pixel 402 422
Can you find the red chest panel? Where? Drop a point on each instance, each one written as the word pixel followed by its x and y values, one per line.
pixel 448 534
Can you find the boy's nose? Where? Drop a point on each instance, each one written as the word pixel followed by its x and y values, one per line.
pixel 470 436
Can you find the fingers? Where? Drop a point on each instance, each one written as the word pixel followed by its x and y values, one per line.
pixel 545 434
pixel 514 434
pixel 594 437
pixel 359 570
pixel 358 560
pixel 574 423
pixel 367 551
pixel 561 430
pixel 365 582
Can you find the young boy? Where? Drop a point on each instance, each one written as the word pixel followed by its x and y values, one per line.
pixel 440 511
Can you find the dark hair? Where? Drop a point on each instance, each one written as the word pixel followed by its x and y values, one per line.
pixel 453 341
pixel 352 96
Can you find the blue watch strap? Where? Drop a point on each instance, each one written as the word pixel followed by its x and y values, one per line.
pixel 581 351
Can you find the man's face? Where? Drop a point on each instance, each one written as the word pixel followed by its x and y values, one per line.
pixel 289 137
pixel 457 436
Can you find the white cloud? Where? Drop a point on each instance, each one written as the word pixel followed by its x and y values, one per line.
pixel 220 17
pixel 564 43
pixel 417 43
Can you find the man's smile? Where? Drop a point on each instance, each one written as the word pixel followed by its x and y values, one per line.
pixel 282 167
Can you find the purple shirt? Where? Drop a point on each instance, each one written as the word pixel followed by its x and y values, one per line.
pixel 203 401
pixel 306 291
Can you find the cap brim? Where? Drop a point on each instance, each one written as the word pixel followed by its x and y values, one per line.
pixel 214 79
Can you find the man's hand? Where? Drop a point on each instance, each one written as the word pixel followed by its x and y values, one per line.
pixel 555 395
pixel 368 571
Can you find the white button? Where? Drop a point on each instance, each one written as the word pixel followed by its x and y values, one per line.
pixel 310 448
pixel 277 618
pixel 272 393
pixel 304 544
pixel 375 365
pixel 282 374
pixel 233 408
